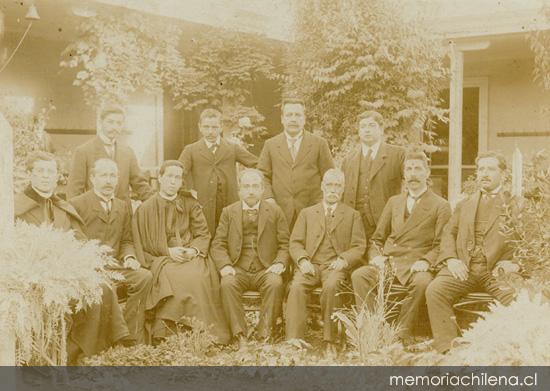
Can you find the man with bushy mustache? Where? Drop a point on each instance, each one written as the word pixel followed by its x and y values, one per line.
pixel 406 240
pixel 473 251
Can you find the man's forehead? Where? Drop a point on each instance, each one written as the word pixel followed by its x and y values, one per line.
pixel 175 170
pixel 44 163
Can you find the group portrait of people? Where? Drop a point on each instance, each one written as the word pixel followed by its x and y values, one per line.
pixel 224 221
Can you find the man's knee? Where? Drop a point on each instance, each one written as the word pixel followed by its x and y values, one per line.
pixel 333 284
pixel 143 278
pixel 273 282
pixel 421 280
pixel 228 282
pixel 365 275
pixel 435 289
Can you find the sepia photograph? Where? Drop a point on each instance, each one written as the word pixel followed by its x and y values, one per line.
pixel 274 194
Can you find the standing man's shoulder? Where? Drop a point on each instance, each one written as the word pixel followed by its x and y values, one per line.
pixel 273 139
pixel 396 150
pixel 86 147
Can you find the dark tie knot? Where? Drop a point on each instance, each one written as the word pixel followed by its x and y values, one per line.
pixel 252 212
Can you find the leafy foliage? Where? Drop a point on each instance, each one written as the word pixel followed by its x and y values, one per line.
pixel 530 227
pixel 355 55
pixel 46 275
pixel 119 55
pixel 28 137
pixel 507 335
pixel 539 41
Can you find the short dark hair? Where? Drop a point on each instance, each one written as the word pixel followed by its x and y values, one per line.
pixel 496 155
pixel 170 163
pixel 111 109
pixel 105 159
pixel 209 113
pixel 40 156
pixel 292 101
pixel 375 115
pixel 417 155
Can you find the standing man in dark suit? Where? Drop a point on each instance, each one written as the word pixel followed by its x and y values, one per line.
pixel 250 250
pixel 373 171
pixel 473 250
pixel 105 145
pixel 98 326
pixel 407 239
pixel 294 162
pixel 326 243
pixel 210 167
pixel 109 220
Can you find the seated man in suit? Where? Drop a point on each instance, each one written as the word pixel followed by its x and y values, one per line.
pixel 326 243
pixel 473 249
pixel 407 235
pixel 109 220
pixel 250 250
pixel 100 325
pixel 106 145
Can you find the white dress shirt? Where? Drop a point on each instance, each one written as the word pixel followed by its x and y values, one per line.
pixel 294 143
pixel 412 198
pixel 213 146
pixel 374 149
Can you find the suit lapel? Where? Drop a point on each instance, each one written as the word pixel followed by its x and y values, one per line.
pixel 470 213
pixel 305 147
pixel 204 151
pixel 223 149
pixel 320 213
pixel 282 147
pixel 419 212
pixel 379 161
pixel 98 209
pixel 238 214
pixel 262 218
pixel 399 210
pixel 496 213
pixel 338 217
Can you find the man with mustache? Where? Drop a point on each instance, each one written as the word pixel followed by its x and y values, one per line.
pixel 250 250
pixel 99 326
pixel 326 243
pixel 210 167
pixel 109 220
pixel 106 145
pixel 374 171
pixel 294 162
pixel 407 240
pixel 473 251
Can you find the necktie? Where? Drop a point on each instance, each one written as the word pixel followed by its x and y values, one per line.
pixel 48 210
pixel 110 148
pixel 293 151
pixel 213 148
pixel 368 160
pixel 252 213
pixel 107 206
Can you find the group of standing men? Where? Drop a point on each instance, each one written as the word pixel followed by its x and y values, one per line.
pixel 287 214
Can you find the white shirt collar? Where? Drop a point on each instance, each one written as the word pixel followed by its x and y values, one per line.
pixel 41 193
pixel 296 138
pixel 102 198
pixel 254 207
pixel 331 207
pixel 418 193
pixel 216 143
pixel 106 141
pixel 495 191
pixel 168 198
pixel 374 148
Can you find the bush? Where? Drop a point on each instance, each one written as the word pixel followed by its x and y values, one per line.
pixel 352 56
pixel 46 275
pixel 517 334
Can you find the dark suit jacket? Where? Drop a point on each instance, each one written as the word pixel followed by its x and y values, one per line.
pixel 385 179
pixel 129 173
pixel 113 229
pixel 310 229
pixel 273 234
pixel 28 209
pixel 416 238
pixel 458 237
pixel 295 185
pixel 201 166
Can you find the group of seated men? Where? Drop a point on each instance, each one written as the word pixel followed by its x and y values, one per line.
pixel 188 256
